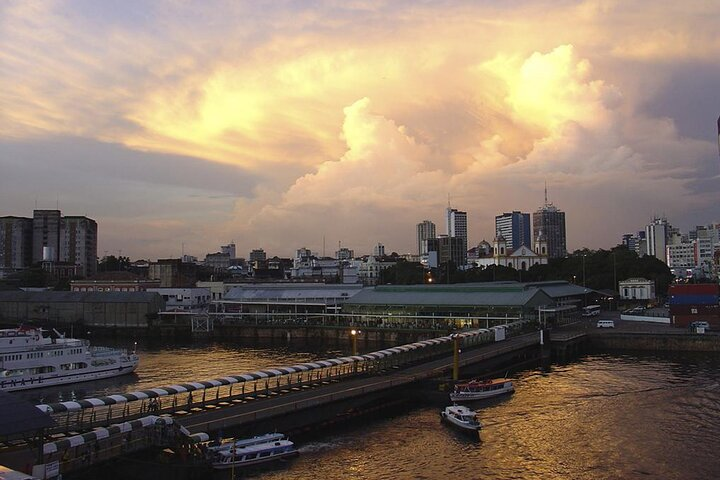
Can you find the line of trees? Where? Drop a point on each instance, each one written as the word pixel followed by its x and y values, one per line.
pixel 596 269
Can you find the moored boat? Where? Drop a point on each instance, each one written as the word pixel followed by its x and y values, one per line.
pixel 479 389
pixel 461 417
pixel 252 451
pixel 30 359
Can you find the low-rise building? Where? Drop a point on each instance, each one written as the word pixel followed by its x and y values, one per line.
pixel 99 309
pixel 637 289
pixel 190 299
pixel 114 282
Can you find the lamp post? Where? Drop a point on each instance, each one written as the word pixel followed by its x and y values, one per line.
pixel 456 356
pixel 353 337
pixel 583 269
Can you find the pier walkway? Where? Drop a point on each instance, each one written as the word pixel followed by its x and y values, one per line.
pixel 266 396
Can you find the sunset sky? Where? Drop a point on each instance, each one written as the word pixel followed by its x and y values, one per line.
pixel 278 123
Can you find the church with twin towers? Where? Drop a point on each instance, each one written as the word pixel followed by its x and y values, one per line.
pixel 518 242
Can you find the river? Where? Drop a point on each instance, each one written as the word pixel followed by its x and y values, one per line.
pixel 602 416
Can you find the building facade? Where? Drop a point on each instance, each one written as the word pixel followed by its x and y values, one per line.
pixel 78 243
pixel 637 289
pixel 457 226
pixel 657 234
pixel 46 235
pixel 444 249
pixel 515 227
pixel 424 231
pixel 549 221
pixel 15 244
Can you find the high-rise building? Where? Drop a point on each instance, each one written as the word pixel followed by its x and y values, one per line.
pixel 46 235
pixel 657 234
pixel 515 228
pixel 457 226
pixel 425 231
pixel 78 243
pixel 15 243
pixel 549 221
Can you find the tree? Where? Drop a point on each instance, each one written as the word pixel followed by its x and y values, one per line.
pixel 403 273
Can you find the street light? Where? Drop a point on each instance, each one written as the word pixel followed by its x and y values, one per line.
pixel 583 268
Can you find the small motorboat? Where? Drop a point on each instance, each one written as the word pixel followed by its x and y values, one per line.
pixel 479 389
pixel 251 451
pixel 461 417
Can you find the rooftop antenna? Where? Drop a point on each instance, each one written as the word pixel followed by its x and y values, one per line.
pixel 57 201
pixel 323 246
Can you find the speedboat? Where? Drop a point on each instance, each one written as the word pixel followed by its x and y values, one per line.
pixel 479 389
pixel 461 417
pixel 30 359
pixel 251 451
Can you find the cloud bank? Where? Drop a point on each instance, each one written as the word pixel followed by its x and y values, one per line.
pixel 352 122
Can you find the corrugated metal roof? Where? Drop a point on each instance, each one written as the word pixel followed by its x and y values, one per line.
pixel 20 416
pixel 447 295
pixel 289 294
pixel 75 297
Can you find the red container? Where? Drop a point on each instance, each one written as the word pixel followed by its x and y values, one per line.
pixel 695 289
pixel 694 309
pixel 686 320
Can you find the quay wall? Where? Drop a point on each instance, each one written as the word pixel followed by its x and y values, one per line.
pixel 668 342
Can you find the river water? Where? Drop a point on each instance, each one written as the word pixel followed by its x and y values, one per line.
pixel 602 416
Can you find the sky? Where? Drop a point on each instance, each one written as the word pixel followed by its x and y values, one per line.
pixel 180 126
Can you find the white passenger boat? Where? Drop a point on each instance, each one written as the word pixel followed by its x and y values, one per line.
pixel 252 451
pixel 30 359
pixel 247 442
pixel 461 417
pixel 479 389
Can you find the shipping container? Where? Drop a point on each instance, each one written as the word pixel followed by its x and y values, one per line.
pixel 686 320
pixel 694 309
pixel 695 289
pixel 693 300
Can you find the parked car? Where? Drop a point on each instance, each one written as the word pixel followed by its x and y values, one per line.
pixel 605 324
pixel 700 324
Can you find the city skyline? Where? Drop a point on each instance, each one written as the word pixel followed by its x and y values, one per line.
pixel 181 128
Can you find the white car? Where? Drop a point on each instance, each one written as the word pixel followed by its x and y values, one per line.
pixel 605 324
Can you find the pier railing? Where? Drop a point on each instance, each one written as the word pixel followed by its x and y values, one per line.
pixel 188 398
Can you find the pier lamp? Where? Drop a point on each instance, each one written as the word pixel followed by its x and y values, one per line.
pixel 353 337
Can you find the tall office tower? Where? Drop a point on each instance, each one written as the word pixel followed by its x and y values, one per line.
pixel 515 227
pixel 550 221
pixel 457 226
pixel 657 234
pixel 425 231
pixel 15 243
pixel 78 243
pixel 46 235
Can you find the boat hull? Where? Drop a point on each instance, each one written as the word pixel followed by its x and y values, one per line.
pixel 255 461
pixel 463 427
pixel 479 395
pixel 51 380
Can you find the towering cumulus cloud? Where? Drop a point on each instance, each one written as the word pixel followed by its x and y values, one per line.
pixel 278 125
